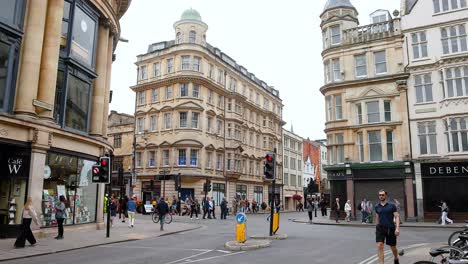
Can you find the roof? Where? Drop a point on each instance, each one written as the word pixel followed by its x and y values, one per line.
pixel 409 5
pixel 337 3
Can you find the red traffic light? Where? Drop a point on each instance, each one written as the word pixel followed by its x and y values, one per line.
pixel 104 162
pixel 269 158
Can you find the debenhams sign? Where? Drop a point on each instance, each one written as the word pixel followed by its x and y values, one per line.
pixel 445 169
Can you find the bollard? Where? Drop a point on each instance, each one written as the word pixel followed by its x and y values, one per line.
pixel 241 218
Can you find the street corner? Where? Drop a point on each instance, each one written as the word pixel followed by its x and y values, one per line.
pixel 273 237
pixel 247 245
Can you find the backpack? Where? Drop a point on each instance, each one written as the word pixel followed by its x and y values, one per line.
pixel 359 207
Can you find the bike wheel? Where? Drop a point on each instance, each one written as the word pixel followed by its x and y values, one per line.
pixel 454 252
pixel 424 262
pixel 155 218
pixel 453 237
pixel 168 218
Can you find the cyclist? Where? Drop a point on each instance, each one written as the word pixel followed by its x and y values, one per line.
pixel 385 230
pixel 162 208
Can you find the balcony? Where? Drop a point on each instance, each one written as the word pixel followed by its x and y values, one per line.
pixel 372 32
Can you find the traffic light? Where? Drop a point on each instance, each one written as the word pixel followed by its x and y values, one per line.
pixel 105 170
pixel 269 169
pixel 96 170
pixel 177 181
pixel 208 186
pixel 205 187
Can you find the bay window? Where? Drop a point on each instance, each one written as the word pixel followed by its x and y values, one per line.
pixel 335 33
pixel 423 85
pixel 182 119
pixel 182 160
pixel 193 157
pixel 375 145
pixel 453 39
pixel 457 134
pixel 373 113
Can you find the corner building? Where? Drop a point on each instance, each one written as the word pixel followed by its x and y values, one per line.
pixel 366 107
pixel 201 114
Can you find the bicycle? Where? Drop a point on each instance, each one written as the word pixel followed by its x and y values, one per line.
pixel 156 219
pixel 455 237
pixel 446 255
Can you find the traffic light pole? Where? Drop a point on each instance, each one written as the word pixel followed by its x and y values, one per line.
pixel 109 192
pixel 273 186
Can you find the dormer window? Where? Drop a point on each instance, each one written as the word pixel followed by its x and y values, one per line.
pixel 192 36
pixel 335 33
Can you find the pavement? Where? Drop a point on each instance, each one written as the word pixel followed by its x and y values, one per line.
pixel 83 237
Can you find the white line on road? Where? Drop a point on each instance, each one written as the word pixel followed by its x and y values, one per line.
pixel 372 259
pixel 223 251
pixel 203 259
pixel 146 247
pixel 186 258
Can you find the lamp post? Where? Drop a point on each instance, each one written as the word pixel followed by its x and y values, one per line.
pixel 164 173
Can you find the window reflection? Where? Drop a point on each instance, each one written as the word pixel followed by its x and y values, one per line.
pixel 82 45
pixel 76 115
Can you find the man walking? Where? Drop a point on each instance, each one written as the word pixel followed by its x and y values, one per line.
pixel 364 210
pixel 223 208
pixel 131 207
pixel 213 208
pixel 162 209
pixel 337 208
pixel 206 208
pixel 385 230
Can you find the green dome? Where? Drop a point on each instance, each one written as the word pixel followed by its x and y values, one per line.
pixel 191 14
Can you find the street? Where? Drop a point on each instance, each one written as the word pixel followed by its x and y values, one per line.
pixel 305 244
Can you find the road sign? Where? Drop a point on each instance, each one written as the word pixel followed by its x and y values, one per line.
pixel 241 218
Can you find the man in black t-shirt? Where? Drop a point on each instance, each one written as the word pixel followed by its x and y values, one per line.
pixel 385 230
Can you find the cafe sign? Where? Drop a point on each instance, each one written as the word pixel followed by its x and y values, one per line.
pixel 444 169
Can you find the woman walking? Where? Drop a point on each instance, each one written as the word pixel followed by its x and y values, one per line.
pixel 193 209
pixel 60 215
pixel 123 208
pixel 445 210
pixel 310 209
pixel 29 215
pixel 113 210
pixel 348 209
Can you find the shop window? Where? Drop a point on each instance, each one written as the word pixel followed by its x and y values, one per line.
pixel 77 104
pixel 258 194
pixel 241 192
pixel 219 192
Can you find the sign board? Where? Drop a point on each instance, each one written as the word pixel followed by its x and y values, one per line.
pixel 241 218
pixel 445 169
pixel 148 208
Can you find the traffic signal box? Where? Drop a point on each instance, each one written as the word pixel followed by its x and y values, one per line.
pixel 101 172
pixel 269 169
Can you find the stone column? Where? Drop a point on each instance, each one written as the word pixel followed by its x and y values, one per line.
pixel 100 207
pixel 99 86
pixel 419 191
pixel 50 57
pixel 28 80
pixel 409 193
pixel 110 51
pixel 36 178
pixel 350 195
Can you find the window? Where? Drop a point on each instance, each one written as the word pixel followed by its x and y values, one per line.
pixel 388 111
pixel 140 125
pixel 167 120
pixel 229 162
pixel 286 179
pixel 117 140
pixel 143 72
pixel 423 85
pixel 454 39
pixel 292 163
pixel 339 141
pixel 178 38
pixel 329 108
pixel 373 114
pixel 327 71
pixel 338 108
pixel 194 157
pixel 299 165
pixel 360 143
pixel 241 191
pixel 168 92
pixel 138 159
pixel 83 39
pixel 195 90
pixel 154 123
pixel 219 192
pixel 389 145
pixel 335 35
pixel 9 52
pixel 195 117
pixel 182 160
pixel 292 144
pixel 209 160
pixel 192 36
pixel 210 96
pixel 185 62
pixel 361 65
pixel 447 5
pixel 155 97
pixel 211 72
pixel 299 180
pixel 183 119
pixel 165 157
pixel 375 146
pixel 233 85
pixel 117 163
pixel 219 161
pixel 359 113
pixel 286 162
pixel 78 103
pixel 209 124
pixel 427 137
pixel 336 70
pixel 456 81
pixel 251 167
pixel 419 44
pixel 258 194
pixel 457 134
pixel 141 98
pixel 380 62
pixel 151 159
pixel 220 127
pixel 220 101
pixel 220 76
pixel 157 69
pixel 183 89
pixel 197 64
pixel 170 65
pixel 293 180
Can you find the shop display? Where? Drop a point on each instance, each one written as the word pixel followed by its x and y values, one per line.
pixel 12 212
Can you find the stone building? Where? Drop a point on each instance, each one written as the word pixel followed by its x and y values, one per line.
pixel 55 66
pixel 201 114
pixel 366 106
pixel 312 168
pixel 292 168
pixel 436 58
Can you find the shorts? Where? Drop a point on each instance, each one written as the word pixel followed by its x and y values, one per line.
pixel 385 234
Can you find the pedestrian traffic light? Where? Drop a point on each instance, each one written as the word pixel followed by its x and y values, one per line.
pixel 105 169
pixel 96 170
pixel 269 169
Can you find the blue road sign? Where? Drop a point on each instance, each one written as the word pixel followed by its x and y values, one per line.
pixel 240 218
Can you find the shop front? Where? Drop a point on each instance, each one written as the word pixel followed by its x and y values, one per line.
pixel 14 177
pixel 69 175
pixel 445 181
pixel 338 189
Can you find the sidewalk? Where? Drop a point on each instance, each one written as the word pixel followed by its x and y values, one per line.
pixel 327 221
pixel 76 238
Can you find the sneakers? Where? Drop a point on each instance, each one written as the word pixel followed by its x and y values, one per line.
pixel 132 226
pixel 396 261
pixel 197 218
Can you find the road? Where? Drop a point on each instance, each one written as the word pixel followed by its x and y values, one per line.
pixel 305 244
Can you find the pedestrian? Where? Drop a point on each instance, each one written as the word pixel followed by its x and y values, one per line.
pixel 174 205
pixel 385 230
pixel 193 208
pixel 29 214
pixel 60 215
pixel 254 206
pixel 206 208
pixel 444 210
pixel 310 208
pixel 398 207
pixel 223 205
pixel 369 209
pixel 323 206
pixel 336 207
pixel 162 209
pixel 316 205
pixel 348 209
pixel 113 210
pixel 363 208
pixel 131 209
pixel 123 208
pixel 213 208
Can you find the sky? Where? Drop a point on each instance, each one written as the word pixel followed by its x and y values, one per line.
pixel 279 41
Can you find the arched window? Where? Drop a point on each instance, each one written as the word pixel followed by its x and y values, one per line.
pixel 192 36
pixel 178 38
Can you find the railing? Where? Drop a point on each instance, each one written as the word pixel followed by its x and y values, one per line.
pixel 372 32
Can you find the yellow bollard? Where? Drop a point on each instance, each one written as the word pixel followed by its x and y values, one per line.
pixel 241 228
pixel 275 222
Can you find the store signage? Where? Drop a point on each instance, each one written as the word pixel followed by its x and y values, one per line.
pixel 14 165
pixel 340 173
pixel 445 169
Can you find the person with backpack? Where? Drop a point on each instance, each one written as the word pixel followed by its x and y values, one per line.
pixel 60 215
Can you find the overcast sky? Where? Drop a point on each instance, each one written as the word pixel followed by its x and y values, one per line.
pixel 277 40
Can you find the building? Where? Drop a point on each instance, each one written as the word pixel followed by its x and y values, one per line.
pixel 324 182
pixel 202 115
pixel 436 58
pixel 56 59
pixel 292 169
pixel 366 107
pixel 312 168
pixel 121 135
